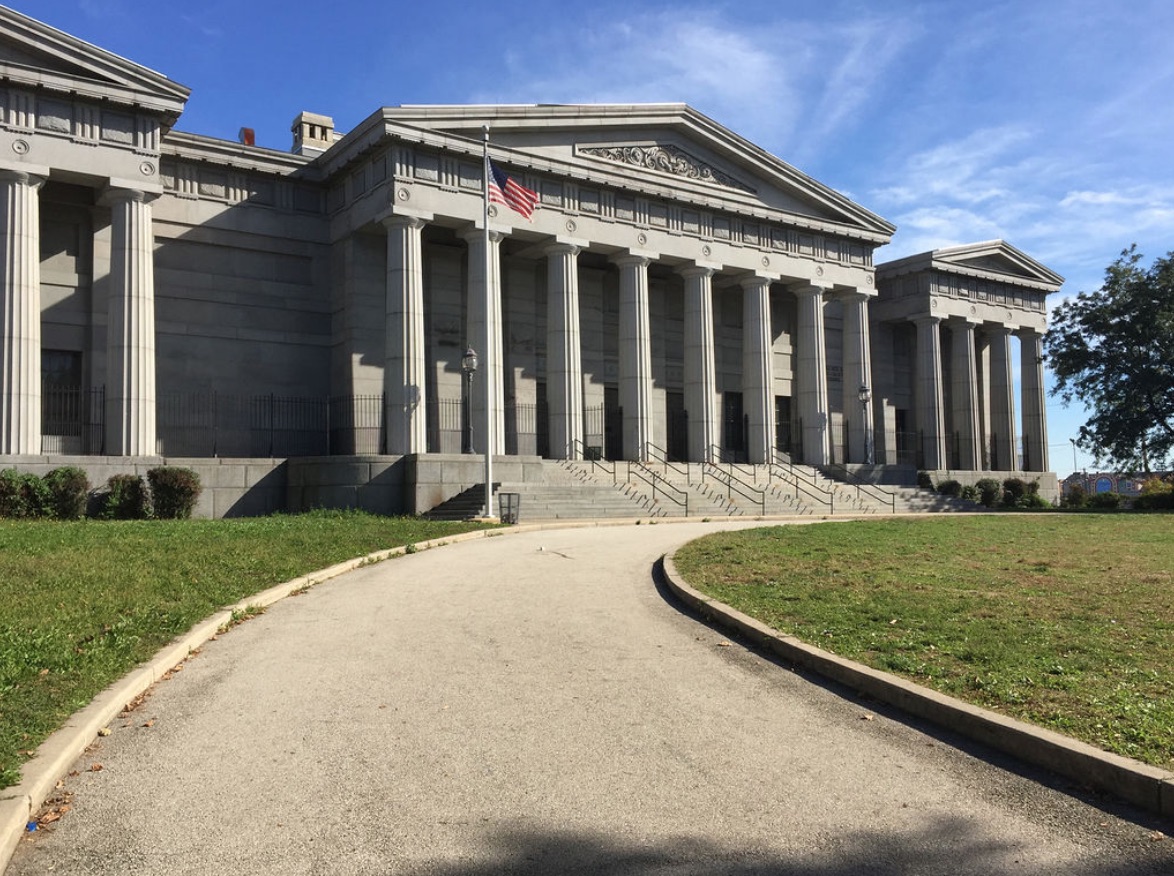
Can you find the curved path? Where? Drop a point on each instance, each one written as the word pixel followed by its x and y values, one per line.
pixel 532 704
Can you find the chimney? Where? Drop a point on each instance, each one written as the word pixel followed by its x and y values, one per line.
pixel 312 134
pixel 247 136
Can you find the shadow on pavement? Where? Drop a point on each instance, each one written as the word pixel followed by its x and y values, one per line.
pixel 943 847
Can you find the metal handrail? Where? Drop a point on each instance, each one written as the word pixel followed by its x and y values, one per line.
pixel 736 485
pixel 603 464
pixel 642 472
pixel 653 453
pixel 875 490
pixel 789 474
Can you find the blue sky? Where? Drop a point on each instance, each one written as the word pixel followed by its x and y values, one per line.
pixel 1043 122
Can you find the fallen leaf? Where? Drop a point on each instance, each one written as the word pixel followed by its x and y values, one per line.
pixel 105 731
pixel 723 644
pixel 95 767
pixel 867 717
pixel 150 723
pixel 1157 836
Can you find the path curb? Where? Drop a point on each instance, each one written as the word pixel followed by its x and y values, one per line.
pixel 1148 787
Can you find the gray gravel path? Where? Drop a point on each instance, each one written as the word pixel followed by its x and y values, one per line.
pixel 531 704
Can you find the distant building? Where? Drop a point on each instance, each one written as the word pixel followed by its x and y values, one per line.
pixel 679 293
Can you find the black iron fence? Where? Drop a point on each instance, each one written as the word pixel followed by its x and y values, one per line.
pixel 73 420
pixel 217 424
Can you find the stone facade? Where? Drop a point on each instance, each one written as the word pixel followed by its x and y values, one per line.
pixel 679 292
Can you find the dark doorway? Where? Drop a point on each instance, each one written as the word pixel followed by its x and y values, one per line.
pixel 613 424
pixel 733 427
pixel 678 427
pixel 783 441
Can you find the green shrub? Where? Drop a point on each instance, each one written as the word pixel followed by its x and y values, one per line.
pixel 1104 501
pixel 970 493
pixel 1156 495
pixel 24 495
pixel 989 491
pixel 950 488
pixel 174 492
pixel 1033 500
pixel 1075 497
pixel 126 498
pixel 924 480
pixel 70 490
pixel 1014 489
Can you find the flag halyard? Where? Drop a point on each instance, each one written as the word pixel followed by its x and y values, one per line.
pixel 510 193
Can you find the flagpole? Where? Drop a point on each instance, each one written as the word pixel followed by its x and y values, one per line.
pixel 490 432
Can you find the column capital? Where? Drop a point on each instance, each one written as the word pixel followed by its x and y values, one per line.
pixel 755 281
pixel 472 234
pixel 400 220
pixel 118 190
pixel 926 319
pixel 633 260
pixel 997 329
pixel 810 289
pixel 34 176
pixel 698 269
pixel 856 294
pixel 560 247
pixel 1027 334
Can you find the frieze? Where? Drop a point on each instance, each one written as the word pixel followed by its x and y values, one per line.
pixel 666 159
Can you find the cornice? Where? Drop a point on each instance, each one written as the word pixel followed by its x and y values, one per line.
pixel 197 147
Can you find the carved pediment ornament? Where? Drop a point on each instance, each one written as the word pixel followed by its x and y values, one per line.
pixel 666 159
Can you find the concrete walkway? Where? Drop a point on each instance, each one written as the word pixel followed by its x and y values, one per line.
pixel 532 704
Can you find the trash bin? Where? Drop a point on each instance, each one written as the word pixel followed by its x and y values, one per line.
pixel 509 504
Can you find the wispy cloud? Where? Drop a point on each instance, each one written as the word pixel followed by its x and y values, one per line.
pixel 790 85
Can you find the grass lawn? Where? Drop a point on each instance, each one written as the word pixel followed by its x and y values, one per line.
pixel 83 602
pixel 1063 620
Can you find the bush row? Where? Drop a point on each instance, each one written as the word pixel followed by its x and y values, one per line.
pixel 1010 493
pixel 64 494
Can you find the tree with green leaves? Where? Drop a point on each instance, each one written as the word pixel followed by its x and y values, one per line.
pixel 1113 350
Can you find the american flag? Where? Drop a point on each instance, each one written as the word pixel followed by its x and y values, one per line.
pixel 503 190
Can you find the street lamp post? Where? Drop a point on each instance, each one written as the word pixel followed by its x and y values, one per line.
pixel 468 366
pixel 865 398
pixel 1073 440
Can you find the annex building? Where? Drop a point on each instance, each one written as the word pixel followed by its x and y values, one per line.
pixel 284 320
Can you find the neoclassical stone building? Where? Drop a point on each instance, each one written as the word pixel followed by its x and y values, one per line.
pixel 679 293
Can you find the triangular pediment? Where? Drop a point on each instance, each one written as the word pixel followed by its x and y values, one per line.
pixel 997 257
pixel 667 150
pixel 35 55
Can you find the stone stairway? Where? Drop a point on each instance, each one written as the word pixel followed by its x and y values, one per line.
pixel 585 490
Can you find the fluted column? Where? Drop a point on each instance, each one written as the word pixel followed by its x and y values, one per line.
pixel 1002 400
pixel 130 332
pixel 488 411
pixel 758 369
pixel 1035 420
pixel 635 351
pixel 564 361
pixel 812 377
pixel 405 363
pixel 20 313
pixel 700 371
pixel 928 393
pixel 964 381
pixel 857 369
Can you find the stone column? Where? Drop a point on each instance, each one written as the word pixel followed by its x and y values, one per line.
pixel 857 364
pixel 130 331
pixel 1002 401
pixel 758 369
pixel 1035 420
pixel 564 363
pixel 635 350
pixel 964 381
pixel 405 363
pixel 20 313
pixel 700 370
pixel 488 419
pixel 928 392
pixel 812 375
